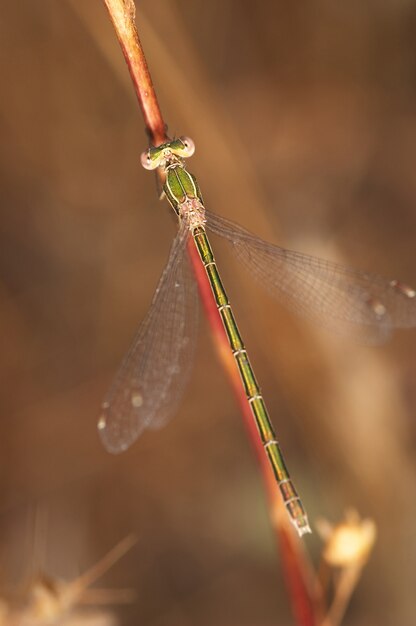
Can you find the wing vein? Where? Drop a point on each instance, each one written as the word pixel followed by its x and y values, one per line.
pixel 152 377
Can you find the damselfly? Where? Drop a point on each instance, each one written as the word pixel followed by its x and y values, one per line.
pixel 150 382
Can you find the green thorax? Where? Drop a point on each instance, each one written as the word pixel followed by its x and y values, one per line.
pixel 180 185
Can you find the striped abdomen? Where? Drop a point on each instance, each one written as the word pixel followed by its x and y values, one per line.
pixel 252 389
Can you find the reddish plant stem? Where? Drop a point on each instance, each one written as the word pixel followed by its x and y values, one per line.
pixel 297 573
pixel 122 14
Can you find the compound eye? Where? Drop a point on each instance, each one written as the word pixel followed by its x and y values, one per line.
pixel 189 147
pixel 147 162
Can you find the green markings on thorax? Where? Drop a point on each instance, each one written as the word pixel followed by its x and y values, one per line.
pixel 179 186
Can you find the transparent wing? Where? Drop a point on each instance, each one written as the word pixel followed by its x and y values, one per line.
pixel 150 382
pixel 348 301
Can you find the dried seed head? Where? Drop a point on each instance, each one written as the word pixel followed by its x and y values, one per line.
pixel 349 542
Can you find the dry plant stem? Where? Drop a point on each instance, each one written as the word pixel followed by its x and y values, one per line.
pixel 294 560
pixel 122 14
pixel 90 576
pixel 345 586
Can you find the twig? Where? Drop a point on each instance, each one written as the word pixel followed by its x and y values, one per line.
pixel 122 14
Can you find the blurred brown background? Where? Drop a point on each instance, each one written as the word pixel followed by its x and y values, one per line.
pixel 304 119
